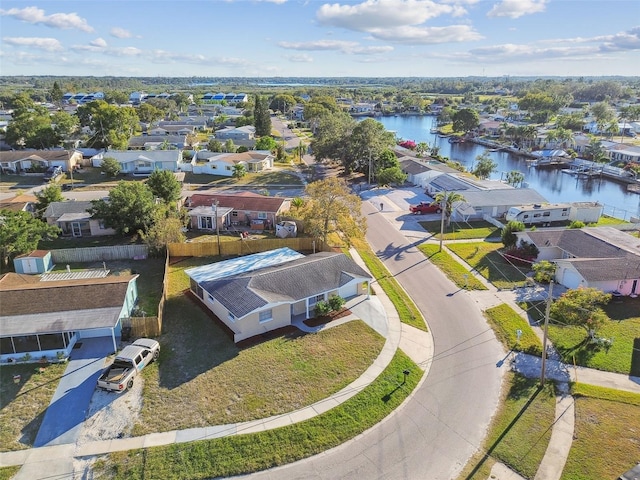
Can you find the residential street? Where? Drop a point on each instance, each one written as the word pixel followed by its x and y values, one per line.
pixel 445 421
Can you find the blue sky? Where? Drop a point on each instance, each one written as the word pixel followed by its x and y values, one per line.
pixel 314 38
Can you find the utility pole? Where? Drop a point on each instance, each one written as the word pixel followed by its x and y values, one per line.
pixel 217 226
pixel 544 337
pixel 443 206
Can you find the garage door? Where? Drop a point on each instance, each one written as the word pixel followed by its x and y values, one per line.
pixel 571 279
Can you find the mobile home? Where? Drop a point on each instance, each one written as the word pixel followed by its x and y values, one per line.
pixel 587 212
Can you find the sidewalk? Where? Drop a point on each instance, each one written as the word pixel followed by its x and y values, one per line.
pixel 377 311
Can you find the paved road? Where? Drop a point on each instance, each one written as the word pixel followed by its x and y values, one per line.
pixel 445 421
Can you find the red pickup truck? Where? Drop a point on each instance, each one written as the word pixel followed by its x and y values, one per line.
pixel 425 207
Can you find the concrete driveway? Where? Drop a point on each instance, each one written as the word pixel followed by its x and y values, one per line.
pixel 67 410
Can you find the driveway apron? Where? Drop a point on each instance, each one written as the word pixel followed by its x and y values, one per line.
pixel 63 419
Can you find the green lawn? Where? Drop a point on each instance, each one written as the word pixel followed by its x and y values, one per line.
pixel 484 258
pixel 623 356
pixel 464 231
pixel 456 272
pixel 242 454
pixel 22 404
pixel 506 322
pixel 606 433
pixel 520 431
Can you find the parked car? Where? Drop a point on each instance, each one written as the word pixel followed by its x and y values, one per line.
pixel 425 207
pixel 119 376
pixel 52 173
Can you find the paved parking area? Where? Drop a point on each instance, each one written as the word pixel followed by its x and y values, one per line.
pixel 67 410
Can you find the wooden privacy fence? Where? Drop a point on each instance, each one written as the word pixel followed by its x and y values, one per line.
pixel 99 254
pixel 242 247
pixel 143 326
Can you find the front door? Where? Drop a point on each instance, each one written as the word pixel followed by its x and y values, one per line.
pixel 634 288
pixel 76 230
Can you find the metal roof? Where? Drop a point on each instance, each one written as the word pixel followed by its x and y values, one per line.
pixel 56 276
pixel 248 263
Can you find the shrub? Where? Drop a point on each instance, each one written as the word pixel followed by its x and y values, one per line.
pixel 336 302
pixel 576 224
pixel 544 271
pixel 322 308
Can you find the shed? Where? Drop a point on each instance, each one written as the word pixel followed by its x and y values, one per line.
pixel 38 261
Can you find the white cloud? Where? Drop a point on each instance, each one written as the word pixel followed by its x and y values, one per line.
pixel 120 33
pixel 377 14
pixel 428 35
pixel 512 52
pixel 36 16
pixel 348 48
pixel 300 58
pixel 319 45
pixel 517 8
pixel 40 43
pixel 98 42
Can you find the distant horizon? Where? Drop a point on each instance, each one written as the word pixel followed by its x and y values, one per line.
pixel 320 38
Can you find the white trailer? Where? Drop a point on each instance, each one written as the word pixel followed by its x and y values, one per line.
pixel 536 214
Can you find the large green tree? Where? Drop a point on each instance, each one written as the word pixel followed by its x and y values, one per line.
pixel 262 117
pixel 129 208
pixel 20 232
pixel 331 138
pixel 112 126
pixel 367 142
pixel 49 194
pixel 331 207
pixel 111 167
pixel 168 227
pixel 465 120
pixel 163 184
pixel 485 166
pixel 581 307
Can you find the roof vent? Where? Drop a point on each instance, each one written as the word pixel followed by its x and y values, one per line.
pixel 537 205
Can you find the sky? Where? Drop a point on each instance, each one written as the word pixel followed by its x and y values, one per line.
pixel 314 38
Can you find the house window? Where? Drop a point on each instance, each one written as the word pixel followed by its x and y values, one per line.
pixel 101 224
pixel 210 297
pixel 227 168
pixel 262 215
pixel 546 214
pixel 234 214
pixel 266 316
pixel 316 299
pixel 205 223
pixel 232 317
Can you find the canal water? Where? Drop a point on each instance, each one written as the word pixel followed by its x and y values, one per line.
pixel 551 183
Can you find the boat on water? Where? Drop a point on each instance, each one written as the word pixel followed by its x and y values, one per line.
pixel 456 140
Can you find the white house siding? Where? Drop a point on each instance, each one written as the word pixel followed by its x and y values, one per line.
pixel 250 325
pixel 569 277
pixel 349 290
pixel 97 230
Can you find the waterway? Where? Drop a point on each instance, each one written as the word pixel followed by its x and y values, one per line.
pixel 551 183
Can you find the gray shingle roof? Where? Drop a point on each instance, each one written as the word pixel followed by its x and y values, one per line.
pixel 601 253
pixel 292 281
pixel 56 209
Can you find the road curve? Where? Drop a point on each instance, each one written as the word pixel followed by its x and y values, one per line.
pixel 433 435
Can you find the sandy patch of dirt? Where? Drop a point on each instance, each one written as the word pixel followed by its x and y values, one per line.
pixel 110 415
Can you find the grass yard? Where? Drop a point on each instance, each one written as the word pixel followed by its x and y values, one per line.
pixel 485 259
pixel 203 378
pixel 83 242
pixel 623 356
pixel 606 435
pixel 464 231
pixel 505 322
pixel 23 404
pixel 242 454
pixel 456 272
pixel 407 310
pixel 520 431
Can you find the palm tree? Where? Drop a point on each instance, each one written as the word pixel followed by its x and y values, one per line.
pixel 448 199
pixel 514 178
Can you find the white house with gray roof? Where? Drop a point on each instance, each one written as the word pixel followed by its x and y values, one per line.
pixel 142 162
pixel 258 293
pixel 600 257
